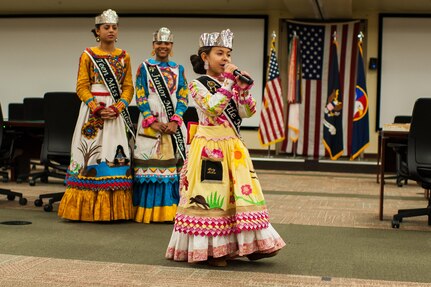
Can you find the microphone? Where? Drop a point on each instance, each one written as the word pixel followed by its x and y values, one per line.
pixel 243 78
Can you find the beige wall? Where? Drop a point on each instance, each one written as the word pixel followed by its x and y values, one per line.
pixel 275 17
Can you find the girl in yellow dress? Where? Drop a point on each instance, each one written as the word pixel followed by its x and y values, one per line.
pixel 99 181
pixel 222 212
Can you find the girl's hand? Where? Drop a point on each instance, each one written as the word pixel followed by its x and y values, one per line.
pixel 229 68
pixel 107 114
pixel 160 127
pixel 242 85
pixel 171 128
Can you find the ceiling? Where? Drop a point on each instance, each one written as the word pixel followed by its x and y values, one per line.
pixel 305 9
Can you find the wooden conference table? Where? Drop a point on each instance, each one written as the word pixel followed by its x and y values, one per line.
pixel 394 134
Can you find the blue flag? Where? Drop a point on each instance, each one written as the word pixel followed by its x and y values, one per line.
pixel 333 114
pixel 360 132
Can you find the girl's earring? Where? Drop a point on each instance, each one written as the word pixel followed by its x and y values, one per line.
pixel 97 39
pixel 153 52
pixel 116 39
pixel 171 53
pixel 206 65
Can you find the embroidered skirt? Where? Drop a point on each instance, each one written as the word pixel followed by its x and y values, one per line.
pixel 99 181
pixel 156 182
pixel 222 211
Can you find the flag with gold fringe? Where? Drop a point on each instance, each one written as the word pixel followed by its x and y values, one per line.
pixel 360 131
pixel 333 112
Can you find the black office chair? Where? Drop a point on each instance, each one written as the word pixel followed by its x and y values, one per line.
pixel 16 111
pixel 34 109
pixel 400 150
pixel 418 157
pixel 6 156
pixel 61 111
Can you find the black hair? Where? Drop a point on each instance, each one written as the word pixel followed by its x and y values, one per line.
pixel 197 62
pixel 94 30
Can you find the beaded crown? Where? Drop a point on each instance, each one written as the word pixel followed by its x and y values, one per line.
pixel 222 39
pixel 107 17
pixel 163 35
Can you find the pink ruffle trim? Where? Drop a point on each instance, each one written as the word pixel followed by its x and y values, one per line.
pixel 148 121
pixel 231 250
pixel 178 119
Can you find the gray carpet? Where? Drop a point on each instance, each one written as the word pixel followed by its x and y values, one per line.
pixel 311 250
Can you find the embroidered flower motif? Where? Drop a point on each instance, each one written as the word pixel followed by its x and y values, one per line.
pixel 74 167
pixel 238 156
pixel 89 130
pixel 215 154
pixel 246 189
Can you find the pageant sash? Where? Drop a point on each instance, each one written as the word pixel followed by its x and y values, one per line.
pixel 159 83
pixel 113 87
pixel 231 110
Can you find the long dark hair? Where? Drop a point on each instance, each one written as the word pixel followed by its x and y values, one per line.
pixel 94 30
pixel 197 62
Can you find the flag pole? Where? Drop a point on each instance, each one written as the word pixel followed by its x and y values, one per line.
pixel 274 35
pixel 360 37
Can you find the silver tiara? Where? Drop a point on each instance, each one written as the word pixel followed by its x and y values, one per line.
pixel 163 35
pixel 107 17
pixel 222 39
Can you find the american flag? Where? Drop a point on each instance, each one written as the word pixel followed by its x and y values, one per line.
pixel 315 40
pixel 271 127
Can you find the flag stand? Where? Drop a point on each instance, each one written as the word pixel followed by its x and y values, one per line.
pixel 269 151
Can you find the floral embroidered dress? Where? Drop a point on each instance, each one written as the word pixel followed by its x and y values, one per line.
pixel 225 216
pixel 99 179
pixel 156 158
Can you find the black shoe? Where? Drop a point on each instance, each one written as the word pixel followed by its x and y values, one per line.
pixel 257 255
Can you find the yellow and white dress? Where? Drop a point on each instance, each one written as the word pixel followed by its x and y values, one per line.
pixel 227 217
pixel 99 179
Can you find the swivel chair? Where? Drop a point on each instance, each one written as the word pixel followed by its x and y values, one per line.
pixel 16 111
pixel 6 155
pixel 60 112
pixel 34 109
pixel 418 162
pixel 400 150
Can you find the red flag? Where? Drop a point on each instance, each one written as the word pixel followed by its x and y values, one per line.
pixel 271 127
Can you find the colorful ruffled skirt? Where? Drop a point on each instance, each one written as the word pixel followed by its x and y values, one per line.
pixel 222 211
pixel 156 176
pixel 99 179
pixel 155 195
